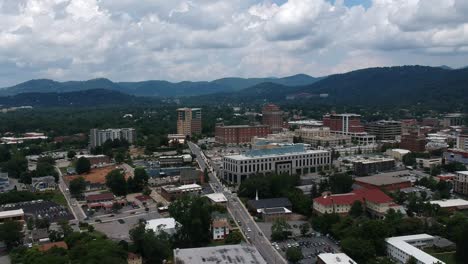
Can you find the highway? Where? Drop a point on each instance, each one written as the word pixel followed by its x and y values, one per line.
pixel 239 212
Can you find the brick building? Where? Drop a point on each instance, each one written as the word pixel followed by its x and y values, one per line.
pixel 272 116
pixel 240 134
pixel 413 142
pixel 343 123
pixel 390 181
pixel 189 121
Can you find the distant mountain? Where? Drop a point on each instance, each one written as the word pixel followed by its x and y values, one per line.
pixel 94 97
pixel 154 88
pixel 373 86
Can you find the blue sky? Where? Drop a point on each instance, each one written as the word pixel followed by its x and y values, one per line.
pixel 177 40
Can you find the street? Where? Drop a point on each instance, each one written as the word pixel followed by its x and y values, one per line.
pixel 74 206
pixel 239 212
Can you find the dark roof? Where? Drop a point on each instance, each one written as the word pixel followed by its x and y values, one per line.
pixel 279 210
pixel 270 203
pixel 39 233
pixel 99 197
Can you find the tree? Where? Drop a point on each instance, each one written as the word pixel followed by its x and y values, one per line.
pixel 411 260
pixel 77 186
pixel 356 209
pixel 462 243
pixel 83 165
pixel 11 233
pixel 119 157
pixel 194 216
pixel 154 248
pixel 280 230
pixel 305 228
pixel 358 249
pixel 116 182
pixel 235 237
pixel 71 154
pixel 141 179
pixel 294 254
pixel 341 183
pixel 42 223
pixel 314 193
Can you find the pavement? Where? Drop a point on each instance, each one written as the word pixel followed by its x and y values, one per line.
pixel 239 213
pixel 73 204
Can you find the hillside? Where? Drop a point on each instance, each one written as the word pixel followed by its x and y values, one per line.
pixel 374 86
pixel 153 87
pixel 95 97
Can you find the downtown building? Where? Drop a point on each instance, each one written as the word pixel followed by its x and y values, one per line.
pixel 97 137
pixel 462 140
pixel 287 159
pixel 272 116
pixel 350 125
pixel 321 136
pixel 240 134
pixel 414 142
pixel 384 129
pixel 189 121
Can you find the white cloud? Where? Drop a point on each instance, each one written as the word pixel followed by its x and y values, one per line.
pixel 208 39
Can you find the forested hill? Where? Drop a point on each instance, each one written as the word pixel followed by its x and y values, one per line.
pixel 94 97
pixel 153 88
pixel 374 86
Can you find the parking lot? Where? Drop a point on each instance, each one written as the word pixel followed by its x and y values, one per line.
pixel 310 247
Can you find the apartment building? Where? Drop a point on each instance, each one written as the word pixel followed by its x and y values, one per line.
pixel 460 182
pixel 189 121
pixel 97 137
pixel 240 134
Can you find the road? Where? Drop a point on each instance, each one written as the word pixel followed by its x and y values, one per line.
pixel 74 206
pixel 239 212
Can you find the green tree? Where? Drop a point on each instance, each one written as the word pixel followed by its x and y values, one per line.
pixel 83 165
pixel 234 237
pixel 356 209
pixel 411 260
pixel 77 186
pixel 462 243
pixel 119 157
pixel 116 182
pixel 16 166
pixel 11 233
pixel 194 216
pixel 280 230
pixel 358 249
pixel 294 254
pixel 71 154
pixel 305 228
pixel 141 178
pixel 341 183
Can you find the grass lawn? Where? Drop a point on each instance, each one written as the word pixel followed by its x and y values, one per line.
pixel 59 198
pixel 447 257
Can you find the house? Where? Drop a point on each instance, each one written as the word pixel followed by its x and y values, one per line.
pixel 219 226
pixel 133 258
pixel 41 184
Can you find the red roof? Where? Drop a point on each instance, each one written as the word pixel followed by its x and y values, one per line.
pixel 99 197
pixel 372 195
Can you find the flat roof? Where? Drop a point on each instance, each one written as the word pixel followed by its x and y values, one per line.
pixel 161 224
pixel 402 244
pixel 11 213
pixel 381 179
pixel 186 187
pixel 450 203
pixel 217 197
pixel 401 151
pixel 232 254
pixel 462 172
pixel 337 258
pixel 275 152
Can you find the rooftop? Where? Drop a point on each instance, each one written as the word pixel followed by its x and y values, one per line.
pixel 338 258
pixel 270 203
pixel 232 254
pixel 451 203
pixel 372 195
pixel 402 244
pixel 381 179
pixel 161 224
pixel 462 172
pixel 11 213
pixel 284 150
pixel 217 197
pixel 182 188
pixel 99 197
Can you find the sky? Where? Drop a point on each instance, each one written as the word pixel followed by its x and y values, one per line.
pixel 176 40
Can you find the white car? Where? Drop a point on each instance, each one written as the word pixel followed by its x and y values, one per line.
pixel 249 230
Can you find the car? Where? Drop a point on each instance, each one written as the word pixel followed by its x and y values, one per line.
pixel 248 229
pixel 111 215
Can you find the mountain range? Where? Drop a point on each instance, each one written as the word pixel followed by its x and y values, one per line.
pixel 154 87
pixel 390 86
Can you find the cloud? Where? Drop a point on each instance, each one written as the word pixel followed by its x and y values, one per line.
pixel 207 39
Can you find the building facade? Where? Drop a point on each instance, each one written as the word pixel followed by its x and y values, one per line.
pixel 401 249
pixel 272 116
pixel 343 123
pixel 413 142
pixel 97 137
pixel 460 182
pixel 363 167
pixel 290 159
pixel 462 140
pixel 321 136
pixel 189 121
pixel 384 129
pixel 241 134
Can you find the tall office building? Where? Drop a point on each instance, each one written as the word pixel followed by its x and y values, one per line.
pixel 97 137
pixel 414 142
pixel 462 140
pixel 272 116
pixel 189 121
